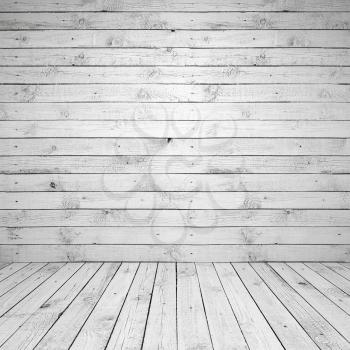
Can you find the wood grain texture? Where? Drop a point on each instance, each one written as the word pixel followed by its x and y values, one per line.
pixel 174 93
pixel 64 330
pixel 170 38
pixel 175 164
pixel 286 327
pixel 129 330
pixel 338 318
pixel 242 303
pixel 200 129
pixel 41 320
pixel 255 328
pixel 324 286
pixel 23 310
pixel 96 330
pixel 17 278
pixel 174 182
pixel 161 330
pixel 174 235
pixel 223 325
pixel 187 217
pixel 168 20
pixel 174 131
pixel 174 200
pixel 175 75
pixel 183 5
pixel 191 320
pixel 321 332
pixel 179 146
pixel 174 56
pixel 175 253
pixel 173 112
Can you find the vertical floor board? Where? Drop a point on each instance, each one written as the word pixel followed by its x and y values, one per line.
pixel 18 277
pixel 8 270
pixel 345 264
pixel 255 328
pixel 129 330
pixel 161 324
pixel 96 331
pixel 323 334
pixel 30 333
pixel 331 276
pixel 193 332
pixel 64 331
pixel 26 307
pixel 8 300
pixel 224 329
pixel 2 265
pixel 334 315
pixel 327 288
pixel 288 330
pixel 342 270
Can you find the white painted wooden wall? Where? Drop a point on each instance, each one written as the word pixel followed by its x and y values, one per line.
pixel 176 130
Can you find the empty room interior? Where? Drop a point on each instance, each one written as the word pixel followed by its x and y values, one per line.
pixel 175 174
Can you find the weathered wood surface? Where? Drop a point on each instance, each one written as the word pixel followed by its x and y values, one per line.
pixel 94 235
pixel 201 129
pixel 174 130
pixel 98 306
pixel 173 38
pixel 175 93
pixel 174 112
pixel 164 218
pixel 175 164
pixel 175 75
pixel 174 182
pixel 168 5
pixel 171 253
pixel 175 56
pixel 168 20
pixel 170 146
pixel 174 200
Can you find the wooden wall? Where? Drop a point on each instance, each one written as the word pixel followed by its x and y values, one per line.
pixel 174 130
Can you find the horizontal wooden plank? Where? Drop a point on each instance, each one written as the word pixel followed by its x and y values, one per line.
pixel 175 200
pixel 175 75
pixel 166 146
pixel 174 57
pixel 174 235
pixel 190 217
pixel 175 93
pixel 175 111
pixel 198 129
pixel 168 5
pixel 171 253
pixel 175 182
pixel 168 20
pixel 173 38
pixel 175 164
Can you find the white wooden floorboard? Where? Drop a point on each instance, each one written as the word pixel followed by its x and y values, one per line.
pixel 184 306
pixel 192 323
pixel 223 325
pixel 331 276
pixel 64 331
pixel 161 328
pixel 322 333
pixel 256 330
pixel 40 322
pixel 328 289
pixel 17 278
pixel 129 330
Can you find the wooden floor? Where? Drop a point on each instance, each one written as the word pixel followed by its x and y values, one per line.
pixel 175 306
